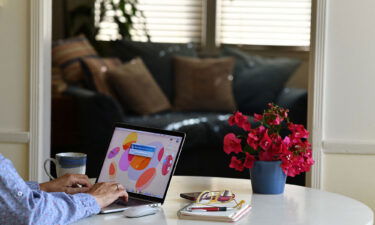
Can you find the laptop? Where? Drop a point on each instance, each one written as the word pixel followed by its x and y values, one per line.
pixel 143 160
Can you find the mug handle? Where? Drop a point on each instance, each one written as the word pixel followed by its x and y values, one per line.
pixel 45 167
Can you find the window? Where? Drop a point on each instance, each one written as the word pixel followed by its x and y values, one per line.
pixel 173 21
pixel 166 21
pixel 264 22
pixel 247 22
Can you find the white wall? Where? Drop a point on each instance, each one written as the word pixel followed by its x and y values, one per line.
pixel 14 82
pixel 349 100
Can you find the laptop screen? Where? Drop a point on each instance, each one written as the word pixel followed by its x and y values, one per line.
pixel 141 160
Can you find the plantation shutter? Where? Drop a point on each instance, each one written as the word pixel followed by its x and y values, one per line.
pixel 264 22
pixel 177 21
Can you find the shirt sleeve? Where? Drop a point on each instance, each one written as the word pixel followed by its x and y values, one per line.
pixel 33 185
pixel 21 204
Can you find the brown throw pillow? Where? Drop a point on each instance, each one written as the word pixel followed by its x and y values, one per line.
pixel 204 84
pixel 67 54
pixel 136 89
pixel 95 73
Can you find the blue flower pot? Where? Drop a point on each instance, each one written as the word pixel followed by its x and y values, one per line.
pixel 267 177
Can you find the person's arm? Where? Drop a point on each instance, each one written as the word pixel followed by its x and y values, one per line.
pixel 20 204
pixel 68 183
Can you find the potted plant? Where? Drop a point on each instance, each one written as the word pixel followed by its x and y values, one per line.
pixel 269 155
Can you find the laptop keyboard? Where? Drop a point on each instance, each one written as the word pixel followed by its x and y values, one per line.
pixel 132 202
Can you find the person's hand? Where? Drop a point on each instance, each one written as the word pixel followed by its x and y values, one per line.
pixel 68 183
pixel 106 193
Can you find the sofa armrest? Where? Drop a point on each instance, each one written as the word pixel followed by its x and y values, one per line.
pixel 95 116
pixel 94 110
pixel 295 100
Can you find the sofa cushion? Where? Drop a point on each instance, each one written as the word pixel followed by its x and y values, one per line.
pixel 67 54
pixel 95 69
pixel 156 56
pixel 136 89
pixel 204 130
pixel 258 80
pixel 204 84
pixel 202 153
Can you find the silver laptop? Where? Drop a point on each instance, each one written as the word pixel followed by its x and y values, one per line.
pixel 143 160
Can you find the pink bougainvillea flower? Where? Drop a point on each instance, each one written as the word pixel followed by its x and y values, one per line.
pixel 284 113
pixel 232 120
pixel 276 144
pixel 286 141
pixel 273 118
pixel 266 156
pixel 260 131
pixel 279 148
pixel 276 121
pixel 237 118
pixel 275 137
pixel 294 164
pixel 269 118
pixel 240 120
pixel 249 161
pixel 257 117
pixel 246 126
pixel 265 142
pixel 252 140
pixel 298 130
pixel 232 144
pixel 236 164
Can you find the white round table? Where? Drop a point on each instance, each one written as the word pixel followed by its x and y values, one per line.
pixel 297 206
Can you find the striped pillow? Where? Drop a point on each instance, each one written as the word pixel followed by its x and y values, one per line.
pixel 58 84
pixel 95 69
pixel 67 54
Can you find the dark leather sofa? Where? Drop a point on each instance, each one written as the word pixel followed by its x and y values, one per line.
pixel 82 121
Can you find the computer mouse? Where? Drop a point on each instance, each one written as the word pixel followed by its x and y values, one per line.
pixel 138 211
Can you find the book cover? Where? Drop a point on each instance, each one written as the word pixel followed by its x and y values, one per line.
pixel 224 216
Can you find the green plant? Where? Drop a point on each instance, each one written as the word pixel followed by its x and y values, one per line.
pixel 125 13
pixel 80 20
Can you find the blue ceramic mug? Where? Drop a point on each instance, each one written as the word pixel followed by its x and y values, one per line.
pixel 67 162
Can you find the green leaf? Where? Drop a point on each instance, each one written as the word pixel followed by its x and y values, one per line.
pixel 250 150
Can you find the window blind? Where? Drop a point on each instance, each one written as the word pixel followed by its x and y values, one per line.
pixel 264 22
pixel 178 21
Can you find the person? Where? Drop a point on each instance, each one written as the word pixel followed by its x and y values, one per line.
pixel 60 201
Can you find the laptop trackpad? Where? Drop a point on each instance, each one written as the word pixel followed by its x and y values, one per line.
pixel 132 202
pixel 121 205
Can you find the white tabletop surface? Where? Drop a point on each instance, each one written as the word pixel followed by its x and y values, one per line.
pixel 297 206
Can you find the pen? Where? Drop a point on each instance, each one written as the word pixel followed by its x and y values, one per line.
pixel 211 209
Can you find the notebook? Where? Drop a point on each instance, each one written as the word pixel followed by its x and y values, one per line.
pixel 223 216
pixel 143 160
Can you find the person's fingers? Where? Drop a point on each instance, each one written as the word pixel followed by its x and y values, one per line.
pixel 80 179
pixel 117 186
pixel 122 194
pixel 71 190
pixel 120 187
pixel 126 196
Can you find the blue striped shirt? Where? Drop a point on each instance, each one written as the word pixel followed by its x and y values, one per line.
pixel 24 203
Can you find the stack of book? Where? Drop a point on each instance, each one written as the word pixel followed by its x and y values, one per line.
pixel 196 211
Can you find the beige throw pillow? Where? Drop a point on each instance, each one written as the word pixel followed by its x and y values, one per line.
pixel 204 84
pixel 136 89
